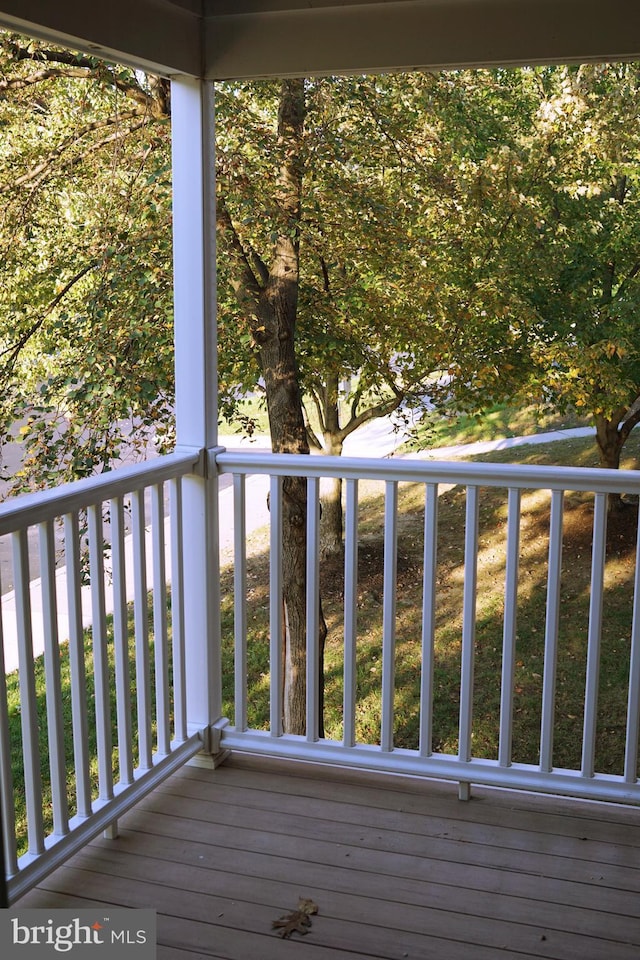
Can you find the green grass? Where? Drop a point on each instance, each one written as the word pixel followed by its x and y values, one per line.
pixel 252 420
pixel 571 670
pixel 15 724
pixel 574 451
pixel 488 649
pixel 493 424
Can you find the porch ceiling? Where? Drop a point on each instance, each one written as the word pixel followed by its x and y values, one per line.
pixel 248 38
pixel 302 37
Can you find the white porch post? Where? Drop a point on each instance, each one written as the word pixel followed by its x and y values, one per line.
pixel 196 393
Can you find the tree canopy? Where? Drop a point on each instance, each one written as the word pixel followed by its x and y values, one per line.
pixel 479 225
pixel 563 257
pixel 86 334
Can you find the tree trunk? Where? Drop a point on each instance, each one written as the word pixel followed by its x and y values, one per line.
pixel 274 333
pixel 288 435
pixel 268 296
pixel 610 442
pixel 331 520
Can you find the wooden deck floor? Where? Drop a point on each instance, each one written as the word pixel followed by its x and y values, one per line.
pixel 398 868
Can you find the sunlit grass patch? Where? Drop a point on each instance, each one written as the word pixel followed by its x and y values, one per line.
pixel 501 420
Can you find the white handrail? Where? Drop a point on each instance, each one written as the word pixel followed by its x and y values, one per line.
pixel 33 508
pixel 522 476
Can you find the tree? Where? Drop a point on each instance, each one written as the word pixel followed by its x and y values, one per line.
pixel 85 238
pixel 590 230
pixel 267 294
pixel 367 306
pixel 92 208
pixel 558 253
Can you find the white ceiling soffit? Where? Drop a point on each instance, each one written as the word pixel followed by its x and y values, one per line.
pixel 162 36
pixel 254 38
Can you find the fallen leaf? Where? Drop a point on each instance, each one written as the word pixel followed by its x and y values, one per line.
pixel 299 921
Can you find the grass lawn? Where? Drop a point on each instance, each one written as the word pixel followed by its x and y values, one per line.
pixel 252 420
pixel 15 730
pixel 497 422
pixel 620 571
pixel 488 652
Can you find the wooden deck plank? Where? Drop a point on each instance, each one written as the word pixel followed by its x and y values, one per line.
pixel 423 861
pixel 497 893
pixel 431 903
pixel 388 938
pixel 548 814
pixel 390 928
pixel 398 867
pixel 286 814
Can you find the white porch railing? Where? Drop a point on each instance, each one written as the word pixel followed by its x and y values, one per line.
pixel 128 709
pixel 461 765
pixel 129 689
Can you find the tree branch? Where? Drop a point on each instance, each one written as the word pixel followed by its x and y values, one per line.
pixel 319 409
pixel 20 83
pixel 325 274
pixel 314 442
pixel 260 266
pixel 381 409
pixel 83 66
pixel 15 349
pixel 630 422
pixel 246 285
pixel 633 273
pixel 39 54
pixel 36 173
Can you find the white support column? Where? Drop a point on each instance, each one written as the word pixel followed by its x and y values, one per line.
pixel 196 394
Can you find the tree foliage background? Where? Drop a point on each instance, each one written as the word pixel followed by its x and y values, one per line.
pixel 470 236
pixel 561 197
pixel 85 300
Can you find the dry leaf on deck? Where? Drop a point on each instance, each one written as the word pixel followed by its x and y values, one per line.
pixel 299 921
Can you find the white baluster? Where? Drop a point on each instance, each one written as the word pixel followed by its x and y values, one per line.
pixel 55 723
pixel 350 613
pixel 509 628
pixel 240 600
pixel 551 631
pixel 389 613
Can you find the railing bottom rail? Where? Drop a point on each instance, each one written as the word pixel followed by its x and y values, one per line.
pixel 403 762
